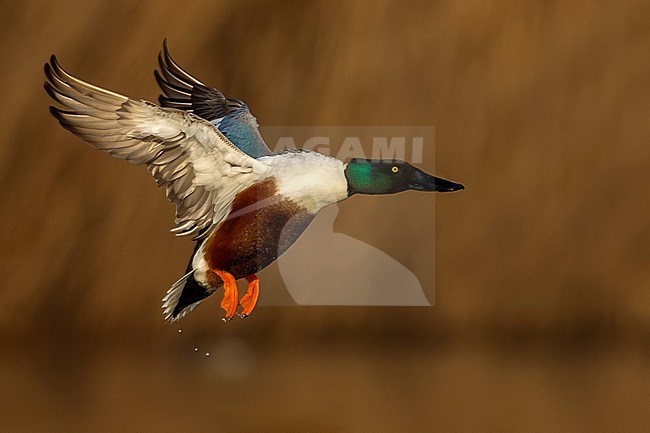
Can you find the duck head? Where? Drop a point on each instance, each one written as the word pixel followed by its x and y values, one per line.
pixel 390 176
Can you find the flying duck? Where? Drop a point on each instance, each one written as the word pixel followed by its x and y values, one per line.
pixel 243 204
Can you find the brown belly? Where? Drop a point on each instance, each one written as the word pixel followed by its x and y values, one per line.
pixel 261 227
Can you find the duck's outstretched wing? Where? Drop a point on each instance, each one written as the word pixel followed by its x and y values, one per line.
pixel 201 169
pixel 232 116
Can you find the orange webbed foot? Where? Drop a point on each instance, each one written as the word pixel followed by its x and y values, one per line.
pixel 230 294
pixel 249 300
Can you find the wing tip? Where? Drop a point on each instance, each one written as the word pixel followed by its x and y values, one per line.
pixel 54 111
pixel 165 51
pixel 159 78
pixel 56 67
pixel 50 73
pixel 49 89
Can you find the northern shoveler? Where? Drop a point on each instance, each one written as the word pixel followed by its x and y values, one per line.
pixel 244 204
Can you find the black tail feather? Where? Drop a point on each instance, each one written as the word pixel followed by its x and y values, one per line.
pixel 192 293
pixel 185 294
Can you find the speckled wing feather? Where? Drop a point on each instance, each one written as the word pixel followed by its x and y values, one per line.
pixel 231 116
pixel 200 168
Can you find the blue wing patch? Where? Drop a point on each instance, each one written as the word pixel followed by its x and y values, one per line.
pixel 240 127
pixel 231 116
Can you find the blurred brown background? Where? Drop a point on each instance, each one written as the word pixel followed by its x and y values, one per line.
pixel 542 315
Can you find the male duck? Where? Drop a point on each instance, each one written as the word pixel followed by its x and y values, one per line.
pixel 244 204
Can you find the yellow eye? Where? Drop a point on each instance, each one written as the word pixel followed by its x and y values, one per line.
pixel 395 169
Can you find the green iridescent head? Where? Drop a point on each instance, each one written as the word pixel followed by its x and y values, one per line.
pixel 390 176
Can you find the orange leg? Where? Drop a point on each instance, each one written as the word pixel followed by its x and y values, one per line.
pixel 249 300
pixel 230 294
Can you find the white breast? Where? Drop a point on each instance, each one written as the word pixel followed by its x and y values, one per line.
pixel 311 179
